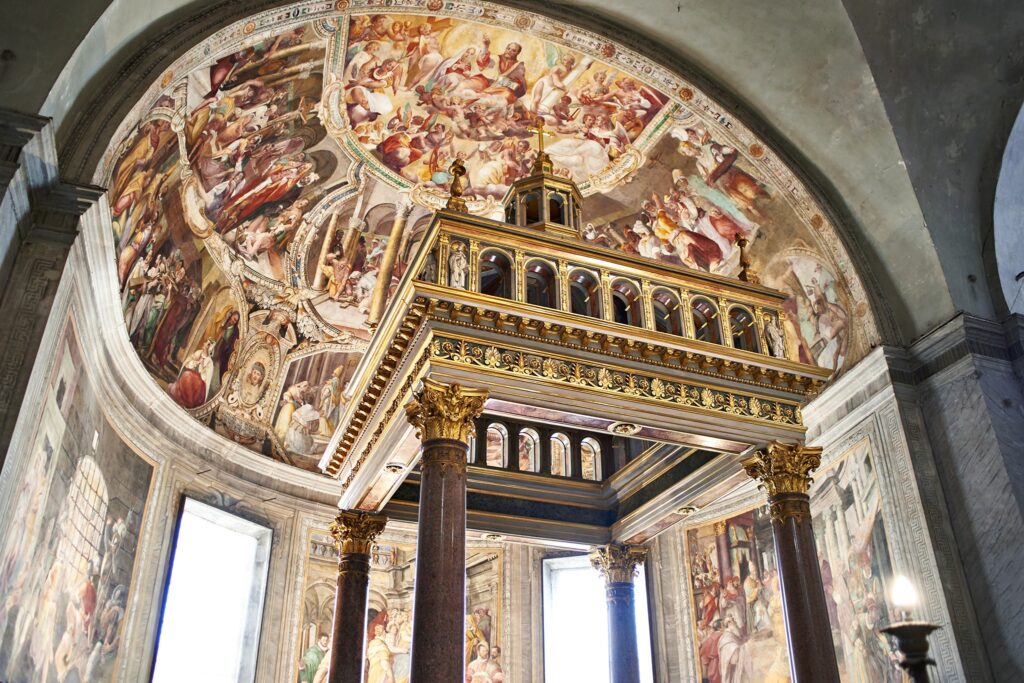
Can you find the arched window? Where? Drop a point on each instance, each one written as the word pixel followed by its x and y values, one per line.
pixel 706 326
pixel 626 303
pixel 497 445
pixel 590 457
pixel 667 316
pixel 531 206
pixel 529 450
pixel 541 284
pixel 584 294
pixel 495 274
pixel 744 332
pixel 560 450
pixel 556 207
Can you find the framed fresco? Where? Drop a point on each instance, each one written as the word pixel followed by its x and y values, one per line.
pixel 735 608
pixel 389 611
pixel 68 563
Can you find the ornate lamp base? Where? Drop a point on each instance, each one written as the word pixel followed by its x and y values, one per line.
pixel 912 642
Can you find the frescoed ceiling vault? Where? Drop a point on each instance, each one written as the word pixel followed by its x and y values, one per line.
pixel 254 188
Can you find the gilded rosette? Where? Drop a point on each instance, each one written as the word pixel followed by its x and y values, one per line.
pixel 445 411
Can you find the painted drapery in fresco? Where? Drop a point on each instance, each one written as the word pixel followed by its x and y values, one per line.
pixel 67 557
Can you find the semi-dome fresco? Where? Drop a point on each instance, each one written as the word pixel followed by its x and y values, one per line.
pixel 254 189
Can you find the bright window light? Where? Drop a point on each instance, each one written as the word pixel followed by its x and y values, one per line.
pixel 576 623
pixel 210 627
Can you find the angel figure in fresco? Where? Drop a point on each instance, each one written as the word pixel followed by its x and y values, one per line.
pixel 552 83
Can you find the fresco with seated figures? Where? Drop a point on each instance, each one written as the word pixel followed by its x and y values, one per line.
pixel 256 188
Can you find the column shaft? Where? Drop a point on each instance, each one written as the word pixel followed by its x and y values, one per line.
pixel 439 609
pixel 353 535
pixel 618 565
pixel 443 415
pixel 623 654
pixel 387 263
pixel 784 470
pixel 812 654
pixel 348 635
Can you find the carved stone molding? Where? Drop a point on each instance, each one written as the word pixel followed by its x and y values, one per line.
pixel 354 532
pixel 616 562
pixel 445 411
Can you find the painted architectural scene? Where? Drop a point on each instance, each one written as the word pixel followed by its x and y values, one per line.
pixel 421 91
pixel 736 607
pixel 311 402
pixel 66 568
pixel 389 612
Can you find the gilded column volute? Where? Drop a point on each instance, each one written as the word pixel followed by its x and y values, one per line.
pixel 445 411
pixel 617 562
pixel 783 468
pixel 354 532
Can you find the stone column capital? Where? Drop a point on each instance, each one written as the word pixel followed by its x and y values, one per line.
pixel 617 562
pixel 445 411
pixel 354 532
pixel 783 468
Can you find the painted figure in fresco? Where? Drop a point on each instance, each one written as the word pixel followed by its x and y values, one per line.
pixel 313 657
pixel 293 398
pixel 378 658
pixel 733 656
pixel 331 400
pixel 224 349
pixel 483 669
pixel 191 389
pixel 708 653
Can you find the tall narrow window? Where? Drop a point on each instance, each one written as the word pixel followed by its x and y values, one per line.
pixel 210 628
pixel 529 450
pixel 626 303
pixel 556 207
pixel 744 332
pixel 495 274
pixel 541 284
pixel 706 326
pixel 560 450
pixel 531 206
pixel 497 444
pixel 576 622
pixel 584 294
pixel 667 317
pixel 590 457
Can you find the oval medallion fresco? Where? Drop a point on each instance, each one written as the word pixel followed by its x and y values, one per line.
pixel 254 188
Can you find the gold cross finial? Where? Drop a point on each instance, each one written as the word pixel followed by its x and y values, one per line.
pixel 543 163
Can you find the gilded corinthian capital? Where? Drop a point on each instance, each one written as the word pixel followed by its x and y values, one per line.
pixel 783 468
pixel 354 532
pixel 445 411
pixel 616 562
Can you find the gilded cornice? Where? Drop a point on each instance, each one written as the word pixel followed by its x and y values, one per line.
pixel 783 468
pixel 616 562
pixel 510 360
pixel 444 411
pixel 747 368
